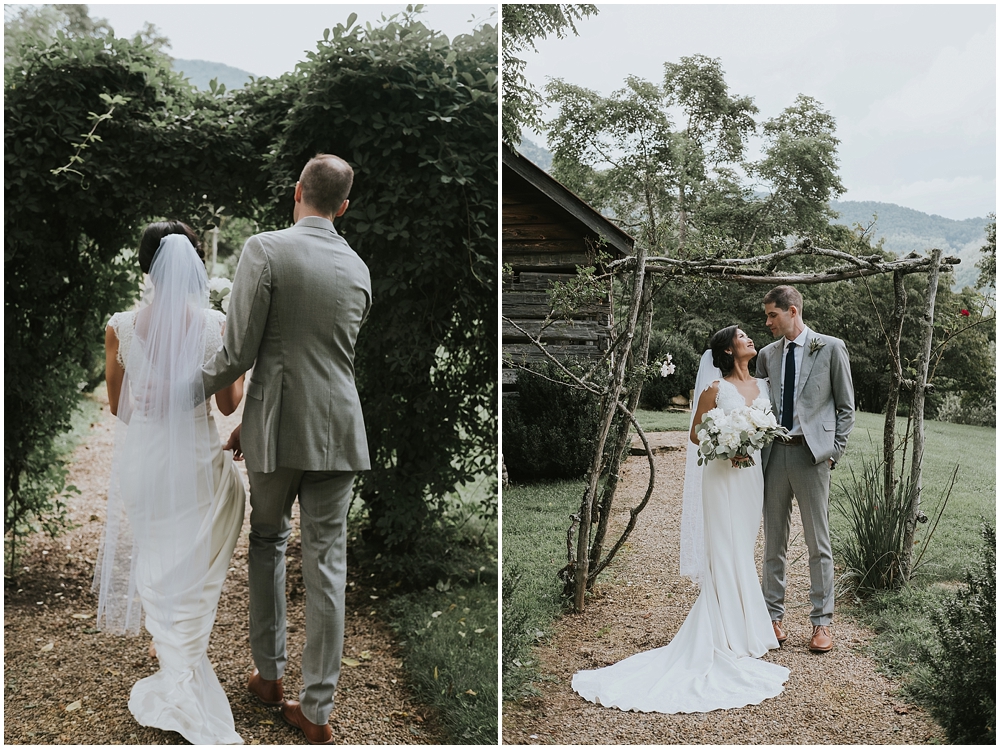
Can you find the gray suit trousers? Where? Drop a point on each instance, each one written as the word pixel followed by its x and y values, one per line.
pixel 324 498
pixel 790 471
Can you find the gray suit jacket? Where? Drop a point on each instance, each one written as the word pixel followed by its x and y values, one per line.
pixel 299 298
pixel 824 395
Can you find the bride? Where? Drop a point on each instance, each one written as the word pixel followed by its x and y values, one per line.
pixel 176 500
pixel 712 662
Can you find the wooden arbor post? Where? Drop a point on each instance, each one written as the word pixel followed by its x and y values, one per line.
pixel 581 571
pixel 917 412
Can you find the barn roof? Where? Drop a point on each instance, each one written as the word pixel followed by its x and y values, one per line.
pixel 521 172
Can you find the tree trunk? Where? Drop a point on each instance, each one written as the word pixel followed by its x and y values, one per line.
pixel 622 442
pixel 889 433
pixel 917 411
pixel 609 406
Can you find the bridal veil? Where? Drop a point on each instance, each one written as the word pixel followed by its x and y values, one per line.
pixel 692 514
pixel 158 529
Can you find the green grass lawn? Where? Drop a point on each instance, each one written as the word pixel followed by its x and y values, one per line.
pixel 535 519
pixel 448 632
pixel 536 516
pixel 664 421
pixel 449 643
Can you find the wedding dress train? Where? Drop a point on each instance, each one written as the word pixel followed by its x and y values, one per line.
pixel 711 663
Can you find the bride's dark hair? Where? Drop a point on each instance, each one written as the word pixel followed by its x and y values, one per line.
pixel 719 342
pixel 155 232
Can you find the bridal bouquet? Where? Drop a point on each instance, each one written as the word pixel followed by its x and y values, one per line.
pixel 736 434
pixel 219 290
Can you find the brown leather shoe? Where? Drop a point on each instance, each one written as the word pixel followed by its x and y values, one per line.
pixel 291 711
pixel 821 641
pixel 267 691
pixel 779 631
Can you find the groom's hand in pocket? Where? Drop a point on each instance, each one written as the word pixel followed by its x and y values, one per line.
pixel 234 443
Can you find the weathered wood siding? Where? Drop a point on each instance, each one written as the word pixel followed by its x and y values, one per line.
pixel 545 237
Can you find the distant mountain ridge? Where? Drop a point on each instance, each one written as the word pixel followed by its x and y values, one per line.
pixel 201 73
pixel 905 230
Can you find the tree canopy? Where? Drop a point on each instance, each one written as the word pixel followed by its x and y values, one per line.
pixel 522 25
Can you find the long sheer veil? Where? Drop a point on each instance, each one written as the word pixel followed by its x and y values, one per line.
pixel 160 499
pixel 692 517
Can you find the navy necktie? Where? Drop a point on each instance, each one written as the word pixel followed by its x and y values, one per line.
pixel 788 388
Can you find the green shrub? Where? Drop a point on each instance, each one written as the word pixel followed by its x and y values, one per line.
pixel 415 114
pixel 959 685
pixel 872 548
pixel 959 408
pixel 549 429
pixel 656 393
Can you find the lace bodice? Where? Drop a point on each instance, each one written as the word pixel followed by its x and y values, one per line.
pixel 123 324
pixel 729 397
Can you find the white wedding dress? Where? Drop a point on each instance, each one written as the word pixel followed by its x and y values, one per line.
pixel 711 663
pixel 184 695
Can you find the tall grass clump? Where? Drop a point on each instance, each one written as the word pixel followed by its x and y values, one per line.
pixel 872 548
pixel 960 680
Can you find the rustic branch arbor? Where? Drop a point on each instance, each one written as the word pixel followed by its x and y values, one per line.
pixel 588 559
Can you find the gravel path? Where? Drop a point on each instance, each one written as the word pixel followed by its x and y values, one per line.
pixel 66 683
pixel 832 698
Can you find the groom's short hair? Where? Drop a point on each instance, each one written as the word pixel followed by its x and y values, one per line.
pixel 326 182
pixel 784 297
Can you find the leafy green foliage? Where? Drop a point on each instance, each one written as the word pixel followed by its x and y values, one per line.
pixel 677 187
pixel 549 430
pixel 413 112
pixel 960 689
pixel 987 265
pixel 522 25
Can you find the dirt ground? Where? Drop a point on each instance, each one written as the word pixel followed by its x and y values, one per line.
pixel 832 698
pixel 67 683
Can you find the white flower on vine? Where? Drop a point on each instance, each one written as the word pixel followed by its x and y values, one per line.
pixel 668 367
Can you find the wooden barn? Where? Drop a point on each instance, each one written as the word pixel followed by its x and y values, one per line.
pixel 547 232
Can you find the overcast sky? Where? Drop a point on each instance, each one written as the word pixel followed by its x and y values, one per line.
pixel 912 87
pixel 268 39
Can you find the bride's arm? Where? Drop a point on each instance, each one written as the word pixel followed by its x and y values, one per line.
pixel 113 372
pixel 705 403
pixel 229 397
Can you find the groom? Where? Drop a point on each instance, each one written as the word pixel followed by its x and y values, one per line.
pixel 299 298
pixel 812 391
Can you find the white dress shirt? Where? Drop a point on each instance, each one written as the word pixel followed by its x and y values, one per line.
pixel 800 344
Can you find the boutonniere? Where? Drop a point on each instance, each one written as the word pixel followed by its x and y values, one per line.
pixel 815 344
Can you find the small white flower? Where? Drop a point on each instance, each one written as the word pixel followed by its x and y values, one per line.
pixel 668 367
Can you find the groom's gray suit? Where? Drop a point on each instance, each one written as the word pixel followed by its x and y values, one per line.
pixel 299 298
pixel 824 417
